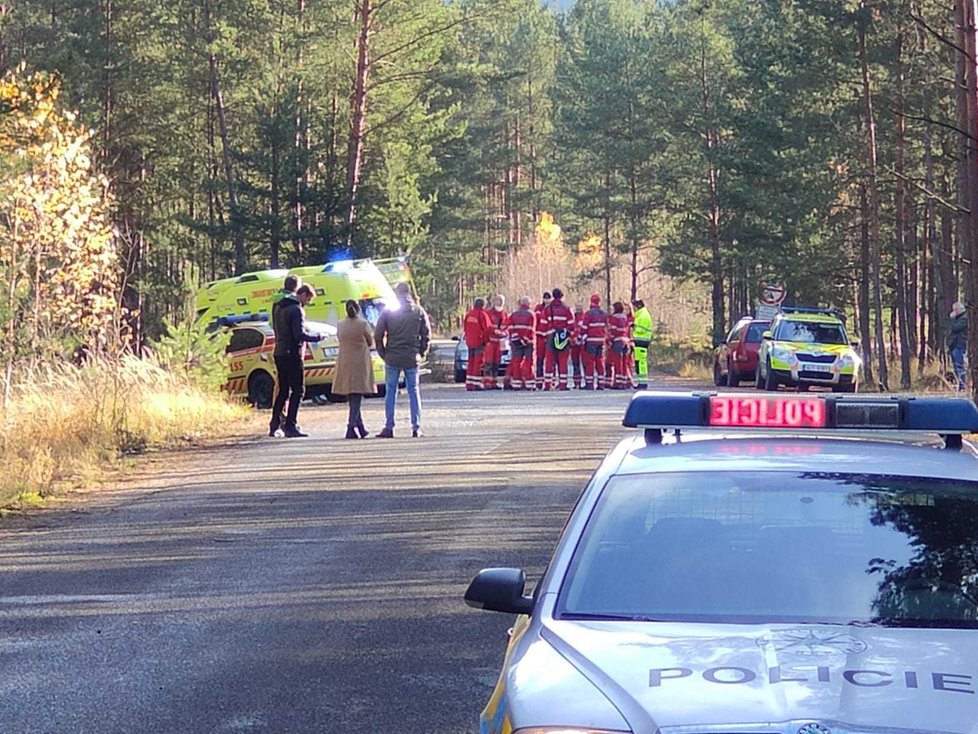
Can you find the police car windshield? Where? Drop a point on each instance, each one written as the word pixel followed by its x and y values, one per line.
pixel 810 333
pixel 772 547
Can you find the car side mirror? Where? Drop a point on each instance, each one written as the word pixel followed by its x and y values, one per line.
pixel 499 590
pixel 767 335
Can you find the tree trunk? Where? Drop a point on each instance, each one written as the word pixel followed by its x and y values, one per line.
pixel 358 118
pixel 873 209
pixel 969 250
pixel 901 226
pixel 865 334
pixel 237 231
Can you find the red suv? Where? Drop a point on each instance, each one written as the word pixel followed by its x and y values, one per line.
pixel 736 358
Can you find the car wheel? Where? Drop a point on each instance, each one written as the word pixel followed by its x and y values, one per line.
pixel 733 379
pixel 719 379
pixel 758 380
pixel 261 390
pixel 770 381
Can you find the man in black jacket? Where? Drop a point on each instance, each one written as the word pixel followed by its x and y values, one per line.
pixel 288 321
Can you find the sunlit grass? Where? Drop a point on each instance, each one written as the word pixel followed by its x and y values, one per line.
pixel 66 424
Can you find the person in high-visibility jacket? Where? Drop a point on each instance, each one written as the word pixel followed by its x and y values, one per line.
pixel 642 336
pixel 494 349
pixel 522 323
pixel 560 333
pixel 477 327
pixel 594 325
pixel 540 311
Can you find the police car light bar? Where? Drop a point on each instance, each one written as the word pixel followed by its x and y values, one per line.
pixel 658 411
pixel 235 319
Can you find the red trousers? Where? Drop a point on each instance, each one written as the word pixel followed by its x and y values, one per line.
pixel 556 362
pixel 493 358
pixel 521 366
pixel 473 370
pixel 617 379
pixel 541 361
pixel 594 367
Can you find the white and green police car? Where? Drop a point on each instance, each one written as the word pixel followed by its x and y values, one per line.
pixel 816 574
pixel 807 347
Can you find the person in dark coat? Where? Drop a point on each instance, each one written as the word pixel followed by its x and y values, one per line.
pixel 288 322
pixel 402 336
pixel 957 343
pixel 354 376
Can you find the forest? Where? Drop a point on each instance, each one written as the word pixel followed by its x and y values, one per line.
pixel 826 144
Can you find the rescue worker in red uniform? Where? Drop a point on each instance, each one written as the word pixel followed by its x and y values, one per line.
pixel 540 311
pixel 577 349
pixel 477 328
pixel 494 349
pixel 522 328
pixel 594 325
pixel 560 333
pixel 619 342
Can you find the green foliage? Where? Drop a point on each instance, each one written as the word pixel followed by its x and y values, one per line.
pixel 192 352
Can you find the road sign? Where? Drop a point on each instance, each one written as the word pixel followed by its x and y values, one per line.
pixel 772 294
pixel 765 312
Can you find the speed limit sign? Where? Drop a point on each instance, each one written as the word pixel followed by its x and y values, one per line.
pixel 772 294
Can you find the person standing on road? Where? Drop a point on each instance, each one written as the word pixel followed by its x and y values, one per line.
pixel 354 376
pixel 642 334
pixel 560 330
pixel 494 349
pixel 957 343
pixel 288 322
pixel 540 311
pixel 402 336
pixel 577 349
pixel 594 325
pixel 522 325
pixel 476 332
pixel 619 347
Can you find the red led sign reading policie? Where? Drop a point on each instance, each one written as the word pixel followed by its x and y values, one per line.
pixel 767 412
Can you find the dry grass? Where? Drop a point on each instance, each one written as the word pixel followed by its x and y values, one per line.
pixel 66 424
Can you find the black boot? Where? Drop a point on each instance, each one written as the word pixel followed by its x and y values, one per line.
pixel 361 430
pixel 351 432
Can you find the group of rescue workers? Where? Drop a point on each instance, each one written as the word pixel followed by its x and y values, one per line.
pixel 604 351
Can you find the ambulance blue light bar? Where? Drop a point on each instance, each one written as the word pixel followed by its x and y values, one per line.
pixel 673 410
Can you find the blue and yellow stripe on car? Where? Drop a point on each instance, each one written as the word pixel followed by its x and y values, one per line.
pixel 494 719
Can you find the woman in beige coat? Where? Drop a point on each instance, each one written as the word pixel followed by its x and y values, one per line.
pixel 354 375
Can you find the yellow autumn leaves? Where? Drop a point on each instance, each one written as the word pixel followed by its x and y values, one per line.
pixel 57 248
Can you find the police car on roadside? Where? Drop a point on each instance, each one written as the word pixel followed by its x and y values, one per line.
pixel 756 564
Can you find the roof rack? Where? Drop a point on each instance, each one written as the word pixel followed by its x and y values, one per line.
pixel 827 310
pixel 663 411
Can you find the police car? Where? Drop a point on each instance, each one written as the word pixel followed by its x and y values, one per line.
pixel 251 364
pixel 808 565
pixel 808 347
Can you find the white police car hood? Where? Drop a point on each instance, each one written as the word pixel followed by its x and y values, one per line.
pixel 733 678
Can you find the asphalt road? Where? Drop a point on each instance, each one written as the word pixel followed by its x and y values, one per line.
pixel 294 585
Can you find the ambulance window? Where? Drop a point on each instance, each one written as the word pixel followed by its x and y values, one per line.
pixel 371 309
pixel 245 339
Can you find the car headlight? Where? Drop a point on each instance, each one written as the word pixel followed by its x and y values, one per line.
pixel 785 355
